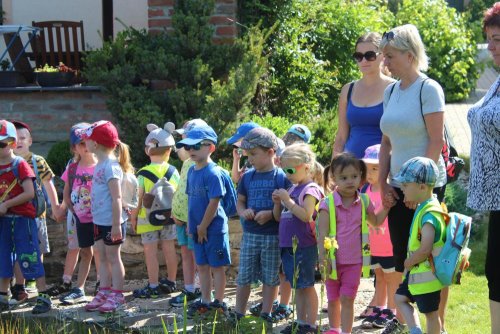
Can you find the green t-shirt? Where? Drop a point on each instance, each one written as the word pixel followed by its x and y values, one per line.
pixel 180 201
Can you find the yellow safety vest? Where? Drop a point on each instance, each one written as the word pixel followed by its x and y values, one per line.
pixel 421 278
pixel 365 245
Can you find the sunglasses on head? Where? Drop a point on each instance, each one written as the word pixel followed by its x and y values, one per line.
pixel 291 170
pixel 368 55
pixel 5 144
pixel 389 36
pixel 196 146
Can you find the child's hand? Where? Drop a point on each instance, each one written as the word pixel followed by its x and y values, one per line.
pixel 236 154
pixel 282 194
pixel 178 222
pixel 248 214
pixel 133 223
pixel 202 234
pixel 116 233
pixel 3 209
pixel 275 197
pixel 263 217
pixel 389 201
pixel 408 265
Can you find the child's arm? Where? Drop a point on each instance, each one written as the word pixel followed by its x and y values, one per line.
pixel 427 241
pixel 135 211
pixel 377 218
pixel 235 169
pixel 277 205
pixel 116 208
pixel 241 207
pixel 208 217
pixel 67 197
pixel 323 232
pixel 304 212
pixel 27 195
pixel 54 200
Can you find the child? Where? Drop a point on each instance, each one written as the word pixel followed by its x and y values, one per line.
pixel 76 195
pixel 386 280
pixel 17 222
pixel 159 144
pixel 207 221
pixel 238 152
pixel 342 217
pixel 180 214
pixel 130 184
pixel 101 138
pixel 297 221
pixel 297 133
pixel 260 253
pixel 418 176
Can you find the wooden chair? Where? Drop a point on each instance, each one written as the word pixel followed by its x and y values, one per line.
pixel 59 41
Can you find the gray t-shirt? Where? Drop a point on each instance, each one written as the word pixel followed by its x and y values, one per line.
pixel 403 123
pixel 101 196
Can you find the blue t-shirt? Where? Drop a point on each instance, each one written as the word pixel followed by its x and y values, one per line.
pixel 202 185
pixel 258 189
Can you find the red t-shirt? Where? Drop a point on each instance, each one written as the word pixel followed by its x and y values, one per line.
pixel 26 209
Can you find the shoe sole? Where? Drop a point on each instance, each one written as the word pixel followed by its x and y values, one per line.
pixel 182 304
pixel 92 309
pixel 74 301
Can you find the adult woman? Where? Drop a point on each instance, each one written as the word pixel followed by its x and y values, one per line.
pixel 360 102
pixel 412 125
pixel 484 193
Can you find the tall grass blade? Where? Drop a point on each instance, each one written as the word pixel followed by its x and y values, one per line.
pixel 165 330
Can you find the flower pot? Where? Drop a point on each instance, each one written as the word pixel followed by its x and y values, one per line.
pixel 54 79
pixel 11 79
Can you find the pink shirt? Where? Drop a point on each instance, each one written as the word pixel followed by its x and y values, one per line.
pixel 380 239
pixel 80 194
pixel 348 228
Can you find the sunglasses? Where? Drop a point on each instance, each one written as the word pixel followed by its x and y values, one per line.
pixel 389 36
pixel 5 144
pixel 368 55
pixel 291 170
pixel 196 146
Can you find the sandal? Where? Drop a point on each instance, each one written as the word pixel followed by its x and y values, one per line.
pixel 368 310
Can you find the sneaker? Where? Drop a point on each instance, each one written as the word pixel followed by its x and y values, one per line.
pixel 394 327
pixel 98 301
pixel 256 309
pixel 371 318
pixel 197 308
pixel 290 328
pixel 366 312
pixel 4 304
pixel 31 286
pixel 19 295
pixel 331 331
pixel 282 312
pixel 383 319
pixel 75 296
pixel 268 318
pixel 191 297
pixel 218 306
pixel 147 292
pixel 43 304
pixel 114 301
pixel 59 289
pixel 307 329
pixel 167 285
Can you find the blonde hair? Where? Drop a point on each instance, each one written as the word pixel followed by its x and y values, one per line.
pixel 123 155
pixel 407 38
pixel 370 37
pixel 302 153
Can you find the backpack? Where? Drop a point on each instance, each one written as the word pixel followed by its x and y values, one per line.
pixel 230 197
pixel 158 201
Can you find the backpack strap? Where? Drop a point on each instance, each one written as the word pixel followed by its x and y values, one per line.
pixel 35 169
pixel 170 171
pixel 72 167
pixel 364 188
pixel 153 178
pixel 349 92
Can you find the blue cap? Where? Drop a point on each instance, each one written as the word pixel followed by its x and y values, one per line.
pixel 419 170
pixel 74 135
pixel 302 131
pixel 242 131
pixel 196 135
pixel 7 130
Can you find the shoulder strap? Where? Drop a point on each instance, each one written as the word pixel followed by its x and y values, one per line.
pixel 148 175
pixel 15 166
pixel 35 168
pixel 420 99
pixel 72 174
pixel 330 201
pixel 364 188
pixel 364 199
pixel 391 90
pixel 170 171
pixel 349 92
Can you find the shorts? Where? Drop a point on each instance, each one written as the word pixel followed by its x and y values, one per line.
pixel 426 303
pixel 259 259
pixel 20 234
pixel 349 276
pixel 85 234
pixel 305 264
pixel 385 262
pixel 43 236
pixel 104 233
pixel 183 238
pixel 168 232
pixel 71 233
pixel 492 269
pixel 214 252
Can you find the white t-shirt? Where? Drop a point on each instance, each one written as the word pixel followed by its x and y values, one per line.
pixel 403 123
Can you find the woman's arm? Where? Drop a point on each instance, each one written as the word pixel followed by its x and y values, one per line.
pixel 384 164
pixel 434 124
pixel 343 125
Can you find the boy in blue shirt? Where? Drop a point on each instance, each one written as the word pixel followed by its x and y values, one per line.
pixel 207 221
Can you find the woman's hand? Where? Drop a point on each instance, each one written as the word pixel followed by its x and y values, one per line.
pixel 387 191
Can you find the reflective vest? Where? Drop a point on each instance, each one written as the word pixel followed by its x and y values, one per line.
pixel 421 278
pixel 365 245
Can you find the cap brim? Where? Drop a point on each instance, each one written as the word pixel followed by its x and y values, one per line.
pixel 370 161
pixel 187 141
pixel 6 137
pixel 180 131
pixel 234 139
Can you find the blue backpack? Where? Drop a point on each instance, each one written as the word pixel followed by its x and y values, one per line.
pixel 230 197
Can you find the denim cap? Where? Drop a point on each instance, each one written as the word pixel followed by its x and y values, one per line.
pixel 75 135
pixel 419 170
pixel 302 131
pixel 260 137
pixel 159 137
pixel 281 147
pixel 196 135
pixel 189 125
pixel 7 130
pixel 371 154
pixel 242 131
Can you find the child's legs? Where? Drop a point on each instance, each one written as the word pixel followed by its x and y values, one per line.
pixel 104 266
pixel 442 304
pixel 170 255
pixel 307 305
pixel 217 249
pixel 349 277
pixel 285 290
pixel 270 259
pixel 18 275
pixel 86 255
pixel 248 270
pixel 242 295
pixel 205 282
pixel 117 270
pixel 333 295
pixel 4 284
pixel 380 288
pixel 219 282
pixel 71 261
pixel 150 243
pixel 433 322
pixel 269 294
pixel 187 256
pixel 73 249
pixel 393 280
pixel 410 316
pixel 346 313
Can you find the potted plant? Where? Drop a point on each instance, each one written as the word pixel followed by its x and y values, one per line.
pixel 49 76
pixel 10 78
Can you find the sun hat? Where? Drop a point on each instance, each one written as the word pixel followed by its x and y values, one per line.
pixel 189 125
pixel 301 131
pixel 7 130
pixel 371 154
pixel 420 170
pixel 198 134
pixel 74 133
pixel 159 137
pixel 260 137
pixel 102 132
pixel 243 129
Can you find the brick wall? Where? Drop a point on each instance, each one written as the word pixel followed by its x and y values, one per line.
pixel 160 18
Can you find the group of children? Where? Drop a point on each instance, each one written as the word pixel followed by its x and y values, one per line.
pixel 297 218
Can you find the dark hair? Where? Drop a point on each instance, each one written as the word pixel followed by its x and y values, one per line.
pixel 492 16
pixel 370 37
pixel 343 160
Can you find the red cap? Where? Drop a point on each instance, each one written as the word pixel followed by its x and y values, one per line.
pixel 20 125
pixel 102 132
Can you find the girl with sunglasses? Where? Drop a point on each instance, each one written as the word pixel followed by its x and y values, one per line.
pixel 360 102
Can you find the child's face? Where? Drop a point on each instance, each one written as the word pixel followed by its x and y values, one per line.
pixel 347 180
pixel 91 145
pixel 413 191
pixel 372 173
pixel 24 142
pixel 6 146
pixel 261 158
pixel 81 148
pixel 202 154
pixel 295 172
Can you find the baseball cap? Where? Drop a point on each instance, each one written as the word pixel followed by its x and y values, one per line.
pixel 302 131
pixel 189 125
pixel 262 137
pixel 371 154
pixel 21 125
pixel 159 137
pixel 75 133
pixel 420 170
pixel 197 134
pixel 102 132
pixel 281 147
pixel 7 130
pixel 243 129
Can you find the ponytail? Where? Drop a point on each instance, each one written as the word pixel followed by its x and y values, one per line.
pixel 123 152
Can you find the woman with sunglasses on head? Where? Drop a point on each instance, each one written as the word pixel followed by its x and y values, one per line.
pixel 412 126
pixel 360 102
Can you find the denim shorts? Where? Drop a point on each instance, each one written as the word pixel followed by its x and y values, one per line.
pixel 426 303
pixel 43 236
pixel 104 233
pixel 214 252
pixel 305 263
pixel 183 238
pixel 259 259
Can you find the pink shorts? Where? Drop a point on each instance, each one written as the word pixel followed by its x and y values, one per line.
pixel 349 276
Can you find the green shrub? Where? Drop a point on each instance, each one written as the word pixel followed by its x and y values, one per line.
pixel 58 156
pixel 456 199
